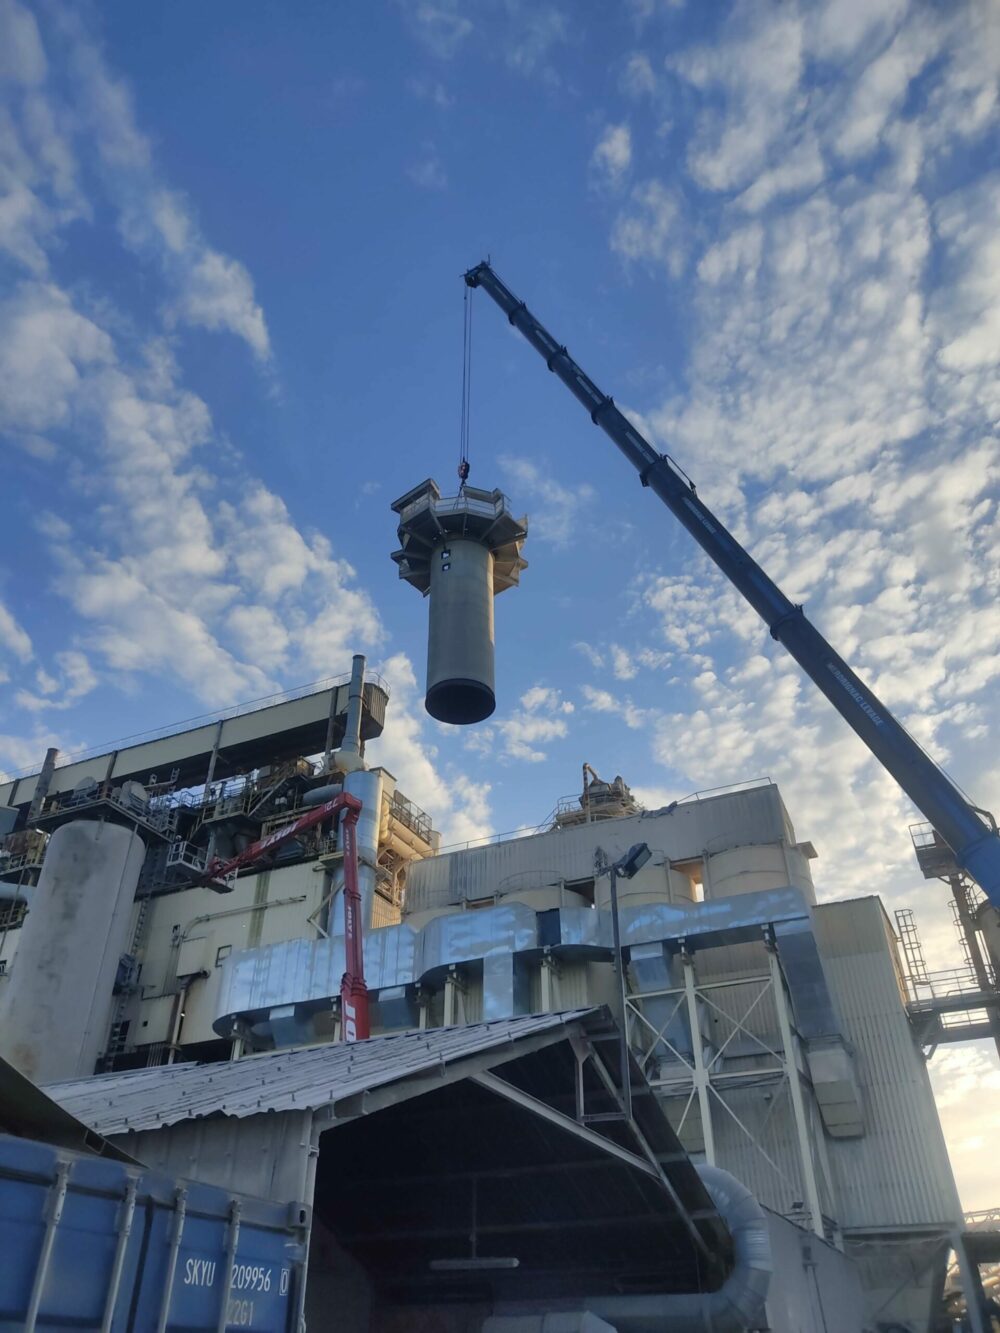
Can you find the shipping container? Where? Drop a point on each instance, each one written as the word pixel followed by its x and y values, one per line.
pixel 92 1243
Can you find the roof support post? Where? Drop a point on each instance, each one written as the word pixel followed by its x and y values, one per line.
pixel 972 1287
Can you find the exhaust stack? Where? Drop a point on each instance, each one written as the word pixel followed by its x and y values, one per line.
pixel 459 551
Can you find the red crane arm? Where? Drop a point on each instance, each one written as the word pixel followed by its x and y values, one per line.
pixel 355 1019
pixel 219 869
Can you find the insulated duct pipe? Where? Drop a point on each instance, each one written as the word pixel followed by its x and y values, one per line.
pixel 42 784
pixel 348 757
pixel 366 785
pixel 320 795
pixel 739 1304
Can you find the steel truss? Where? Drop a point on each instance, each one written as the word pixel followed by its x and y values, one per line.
pixel 703 1077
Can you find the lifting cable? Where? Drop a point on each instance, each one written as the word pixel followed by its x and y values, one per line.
pixel 463 451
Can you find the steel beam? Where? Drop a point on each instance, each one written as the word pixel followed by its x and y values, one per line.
pixel 810 1183
pixel 566 1123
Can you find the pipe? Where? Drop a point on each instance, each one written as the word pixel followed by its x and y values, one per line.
pixel 320 795
pixel 348 757
pixel 740 1303
pixel 366 785
pixel 42 784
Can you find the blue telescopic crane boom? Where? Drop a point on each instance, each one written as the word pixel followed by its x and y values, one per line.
pixel 969 832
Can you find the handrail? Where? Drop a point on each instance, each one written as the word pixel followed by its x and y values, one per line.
pixel 200 720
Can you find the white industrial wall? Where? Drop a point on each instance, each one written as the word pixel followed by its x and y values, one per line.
pixel 898 1174
pixel 206 922
pixel 815 1289
pixel 693 830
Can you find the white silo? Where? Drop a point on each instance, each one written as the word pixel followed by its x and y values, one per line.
pixel 57 1003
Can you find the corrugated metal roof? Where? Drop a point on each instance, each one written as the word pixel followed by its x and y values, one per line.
pixel 295 1080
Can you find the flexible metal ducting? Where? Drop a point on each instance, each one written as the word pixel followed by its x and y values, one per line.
pixel 739 1305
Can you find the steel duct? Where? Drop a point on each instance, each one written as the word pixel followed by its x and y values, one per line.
pixel 739 1304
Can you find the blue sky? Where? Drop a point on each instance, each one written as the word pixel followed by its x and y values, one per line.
pixel 231 241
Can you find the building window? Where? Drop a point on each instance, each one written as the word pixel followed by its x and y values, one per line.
pixel 222 953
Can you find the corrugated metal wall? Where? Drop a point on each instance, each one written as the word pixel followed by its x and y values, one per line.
pixel 692 829
pixel 898 1174
pixel 264 1155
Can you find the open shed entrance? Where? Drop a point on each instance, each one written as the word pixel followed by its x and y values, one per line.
pixel 517 1180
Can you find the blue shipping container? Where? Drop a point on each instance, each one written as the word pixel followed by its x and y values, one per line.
pixel 92 1243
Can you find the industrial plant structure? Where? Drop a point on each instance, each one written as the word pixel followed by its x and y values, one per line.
pixel 765 1153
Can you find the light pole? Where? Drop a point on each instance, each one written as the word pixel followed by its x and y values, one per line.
pixel 626 866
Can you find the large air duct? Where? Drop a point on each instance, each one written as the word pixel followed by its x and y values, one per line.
pixel 460 551
pixel 739 1304
pixel 366 785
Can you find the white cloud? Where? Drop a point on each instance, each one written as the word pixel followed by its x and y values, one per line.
pixel 430 90
pixel 540 719
pixel 45 348
pixel 588 651
pixel 756 65
pixel 638 78
pixel 428 170
pixel 458 805
pixel 967 308
pixel 543 698
pixel 534 30
pixel 883 85
pixel 75 680
pixel 555 509
pixel 838 28
pixel 211 290
pixel 840 398
pixel 42 137
pixel 612 155
pixel 25 753
pixel 175 572
pixel 622 663
pixel 216 292
pixel 603 701
pixel 651 228
pixel 14 638
pixel 22 56
pixel 800 169
pixel 966 1082
pixel 163 578
pixel 441 27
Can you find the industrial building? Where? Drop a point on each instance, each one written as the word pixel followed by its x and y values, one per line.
pixel 765 1154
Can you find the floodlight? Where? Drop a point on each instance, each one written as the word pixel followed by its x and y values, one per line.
pixel 633 860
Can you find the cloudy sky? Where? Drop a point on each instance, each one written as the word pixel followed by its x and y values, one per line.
pixel 231 241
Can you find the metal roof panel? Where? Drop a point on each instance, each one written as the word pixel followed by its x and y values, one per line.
pixel 304 1078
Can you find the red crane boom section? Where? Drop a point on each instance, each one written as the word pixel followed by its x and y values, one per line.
pixel 355 1019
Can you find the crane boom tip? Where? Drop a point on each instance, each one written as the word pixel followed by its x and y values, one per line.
pixel 472 274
